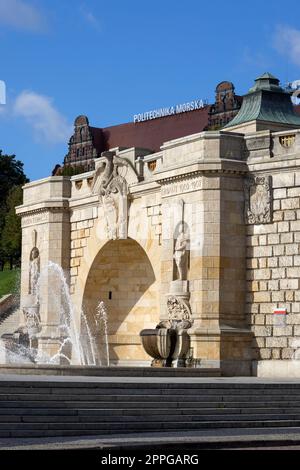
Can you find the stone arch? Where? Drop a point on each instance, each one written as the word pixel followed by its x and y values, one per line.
pixel 121 275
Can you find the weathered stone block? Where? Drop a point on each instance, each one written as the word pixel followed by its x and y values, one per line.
pixel 280 193
pixel 282 331
pixel 278 273
pixel 292 203
pixel 295 226
pixel 276 342
pixel 272 262
pixel 262 330
pixel 259 319
pixel 275 354
pixel 278 296
pixel 290 215
pixel 286 238
pixel 287 353
pixel 265 353
pixel 273 239
pixel 262 274
pixel 278 250
pixel 261 251
pixel 283 180
pixel 293 272
pixel 262 296
pixel 289 284
pixel 292 249
pixel 283 226
pixel 285 261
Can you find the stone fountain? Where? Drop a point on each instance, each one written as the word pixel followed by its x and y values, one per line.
pixel 27 344
pixel 169 343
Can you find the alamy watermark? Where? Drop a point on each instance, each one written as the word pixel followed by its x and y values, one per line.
pixel 2 92
pixel 295 86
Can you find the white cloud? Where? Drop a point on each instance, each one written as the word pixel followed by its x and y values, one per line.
pixel 19 14
pixel 47 123
pixel 90 18
pixel 287 42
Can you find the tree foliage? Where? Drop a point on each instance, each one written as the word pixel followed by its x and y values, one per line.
pixel 11 233
pixel 12 177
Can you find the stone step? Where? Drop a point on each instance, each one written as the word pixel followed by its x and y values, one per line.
pixel 94 404
pixel 55 408
pixel 15 397
pixel 109 432
pixel 20 415
pixel 155 417
pixel 63 411
pixel 9 322
pixel 138 425
pixel 68 383
pixel 109 390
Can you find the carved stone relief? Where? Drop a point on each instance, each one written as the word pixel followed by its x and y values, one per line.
pixel 111 185
pixel 258 200
pixel 178 309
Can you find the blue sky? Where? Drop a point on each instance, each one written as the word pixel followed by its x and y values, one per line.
pixel 110 60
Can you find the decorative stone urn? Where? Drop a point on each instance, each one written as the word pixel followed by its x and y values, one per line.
pixel 159 343
pixel 30 310
pixel 166 344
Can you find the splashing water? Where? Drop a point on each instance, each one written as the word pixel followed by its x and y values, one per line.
pixel 101 323
pixel 72 335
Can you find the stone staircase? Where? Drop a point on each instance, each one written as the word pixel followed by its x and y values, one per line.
pixel 10 322
pixel 35 407
pixel 8 325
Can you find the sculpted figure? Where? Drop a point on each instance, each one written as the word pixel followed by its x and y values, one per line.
pixel 34 270
pixel 180 253
pixel 111 213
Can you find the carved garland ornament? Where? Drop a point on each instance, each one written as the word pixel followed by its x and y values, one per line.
pixel 258 200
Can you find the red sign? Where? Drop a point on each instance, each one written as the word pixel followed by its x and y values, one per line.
pixel 280 311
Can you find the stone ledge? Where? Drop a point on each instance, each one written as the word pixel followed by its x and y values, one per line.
pixel 277 368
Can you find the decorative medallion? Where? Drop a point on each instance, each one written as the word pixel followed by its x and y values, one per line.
pixel 78 184
pixel 258 201
pixel 151 165
pixel 287 140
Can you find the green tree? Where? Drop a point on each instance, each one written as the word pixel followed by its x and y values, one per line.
pixel 11 175
pixel 11 232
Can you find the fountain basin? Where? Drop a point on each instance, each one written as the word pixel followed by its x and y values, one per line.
pixel 166 345
pixel 159 343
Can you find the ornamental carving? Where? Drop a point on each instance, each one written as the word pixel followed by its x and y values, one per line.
pixel 110 182
pixel 179 310
pixel 32 321
pixel 258 200
pixel 287 140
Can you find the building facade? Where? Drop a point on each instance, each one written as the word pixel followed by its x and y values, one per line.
pixel 88 143
pixel 207 227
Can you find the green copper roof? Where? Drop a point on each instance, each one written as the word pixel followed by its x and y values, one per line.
pixel 266 101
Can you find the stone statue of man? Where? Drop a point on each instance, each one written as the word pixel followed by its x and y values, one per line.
pixel 34 270
pixel 180 253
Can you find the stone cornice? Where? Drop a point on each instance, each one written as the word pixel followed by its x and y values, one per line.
pixel 202 168
pixel 46 206
pixel 205 135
